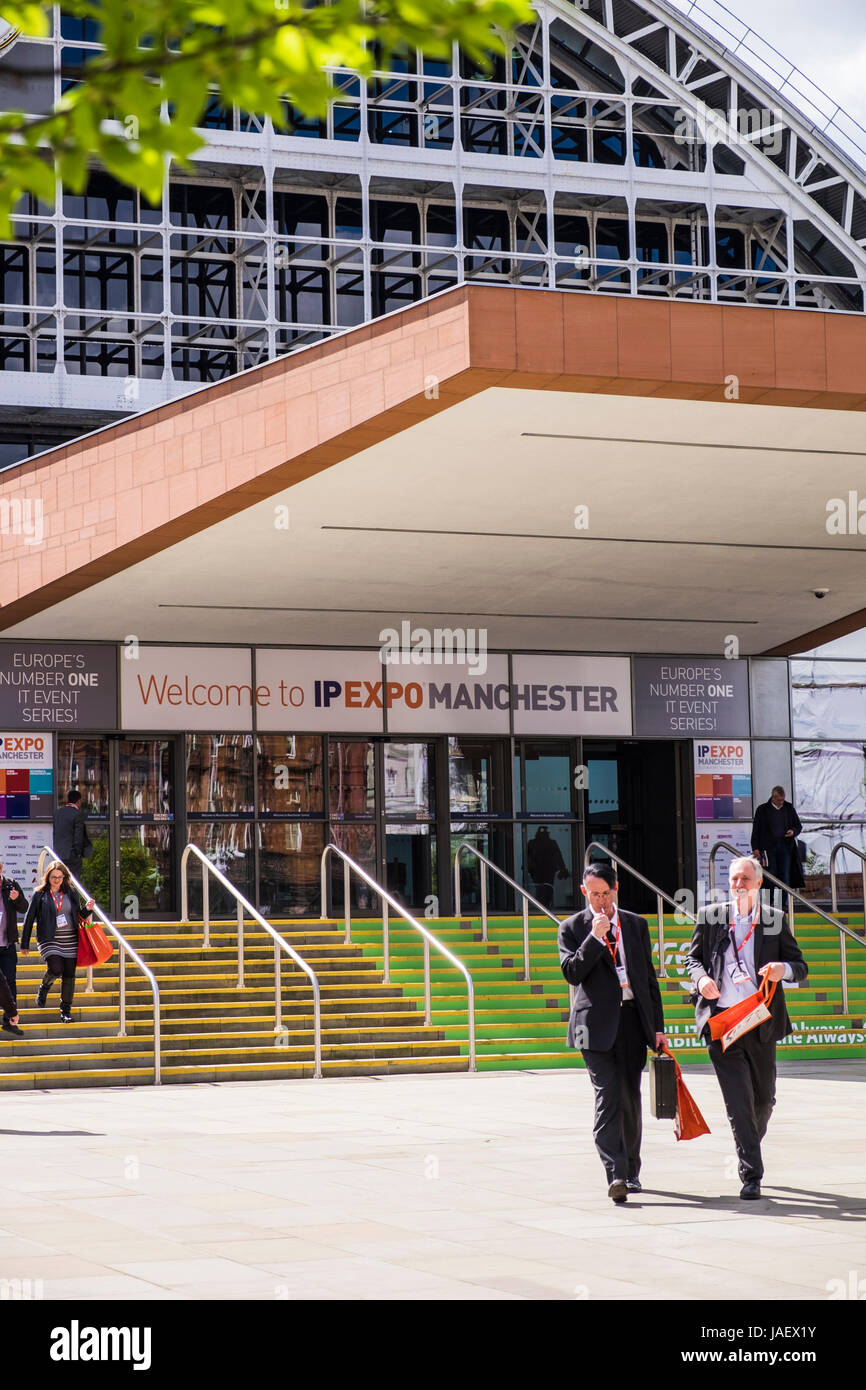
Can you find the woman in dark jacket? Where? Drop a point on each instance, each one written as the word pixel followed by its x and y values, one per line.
pixel 57 911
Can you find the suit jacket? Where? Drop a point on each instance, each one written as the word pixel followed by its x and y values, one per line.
pixel 70 833
pixel 586 963
pixel 773 941
pixel 12 908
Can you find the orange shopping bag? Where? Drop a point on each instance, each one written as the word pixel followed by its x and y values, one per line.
pixel 689 1123
pixel 94 947
pixel 742 1017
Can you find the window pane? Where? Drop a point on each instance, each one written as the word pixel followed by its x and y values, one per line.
pixel 350 770
pixel 409 780
pixel 146 777
pixel 219 774
pixel 83 763
pixel 290 775
pixel 146 869
pixel 289 865
pixel 545 865
pixel 547 779
pixel 474 776
pixel 359 842
pixel 229 847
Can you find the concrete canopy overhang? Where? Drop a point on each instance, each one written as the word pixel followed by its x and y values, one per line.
pixel 431 466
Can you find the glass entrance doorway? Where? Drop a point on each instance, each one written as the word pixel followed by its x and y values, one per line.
pixel 128 790
pixel 636 807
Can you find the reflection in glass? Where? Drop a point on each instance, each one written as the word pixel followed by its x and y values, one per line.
pixel 409 779
pixel 289 861
pixel 146 777
pixel 545 864
pixel 351 768
pixel 543 778
pixel 490 841
pixel 96 871
pixel 146 861
pixel 474 776
pixel 219 774
pixel 290 775
pixel 359 842
pixel 229 847
pixel 83 763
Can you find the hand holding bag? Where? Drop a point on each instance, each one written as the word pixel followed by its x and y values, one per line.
pixel 742 1017
pixel 689 1122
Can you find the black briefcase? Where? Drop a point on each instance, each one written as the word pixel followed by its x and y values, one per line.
pixel 663 1087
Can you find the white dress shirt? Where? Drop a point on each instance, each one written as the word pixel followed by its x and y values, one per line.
pixel 729 993
pixel 615 927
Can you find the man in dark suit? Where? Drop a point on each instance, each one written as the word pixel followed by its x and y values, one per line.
pixel 617 1014
pixel 734 945
pixel 70 834
pixel 774 838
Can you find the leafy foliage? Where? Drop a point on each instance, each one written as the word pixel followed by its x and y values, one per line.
pixel 135 106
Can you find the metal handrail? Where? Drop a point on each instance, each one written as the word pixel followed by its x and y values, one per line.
pixel 126 950
pixel 660 896
pixel 524 893
pixel 843 844
pixel 280 943
pixel 350 867
pixel 812 907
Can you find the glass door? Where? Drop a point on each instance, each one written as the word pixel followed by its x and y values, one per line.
pixel 146 770
pixel 409 797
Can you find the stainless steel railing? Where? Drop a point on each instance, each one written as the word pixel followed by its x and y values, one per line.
pixel 526 896
pixel 350 867
pixel 843 844
pixel 807 903
pixel 280 943
pixel 660 896
pixel 125 950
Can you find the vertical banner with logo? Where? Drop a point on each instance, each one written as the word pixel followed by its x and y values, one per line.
pixel 723 780
pixel 26 776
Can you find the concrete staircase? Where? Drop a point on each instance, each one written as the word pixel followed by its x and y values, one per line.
pixel 214 1032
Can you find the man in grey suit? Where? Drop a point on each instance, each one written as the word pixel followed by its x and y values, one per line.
pixel 70 834
pixel 736 944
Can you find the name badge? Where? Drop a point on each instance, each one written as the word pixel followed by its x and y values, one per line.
pixel 622 976
pixel 61 919
pixel 738 976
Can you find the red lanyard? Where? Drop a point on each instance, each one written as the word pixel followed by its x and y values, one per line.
pixel 615 947
pixel 58 902
pixel 737 948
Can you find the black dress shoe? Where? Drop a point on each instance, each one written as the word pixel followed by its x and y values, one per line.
pixel 751 1190
pixel 13 1029
pixel 633 1185
pixel 618 1191
pixel 65 1016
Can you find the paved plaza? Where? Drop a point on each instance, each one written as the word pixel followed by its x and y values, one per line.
pixel 434 1187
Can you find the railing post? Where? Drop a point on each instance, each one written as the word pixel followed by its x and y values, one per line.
pixel 88 983
pixel 482 870
pixel 457 900
pixel 121 965
pixel 843 961
pixel 791 913
pixel 240 946
pixel 278 989
pixel 323 885
pixel 473 1064
pixel 184 887
pixel 386 943
pixel 834 902
pixel 660 910
pixel 427 982
pixel 347 906
pixel 526 939
pixel 205 904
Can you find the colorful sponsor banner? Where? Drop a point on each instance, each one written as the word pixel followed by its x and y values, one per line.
pixel 571 695
pixel 20 848
pixel 187 688
pixel 58 685
pixel 26 776
pixel 676 696
pixel 723 780
pixel 740 836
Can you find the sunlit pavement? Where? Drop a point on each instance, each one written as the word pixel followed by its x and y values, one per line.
pixel 449 1186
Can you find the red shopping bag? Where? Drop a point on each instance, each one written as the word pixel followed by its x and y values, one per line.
pixel 94 947
pixel 742 1017
pixel 689 1123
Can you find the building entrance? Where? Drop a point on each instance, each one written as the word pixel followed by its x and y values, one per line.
pixel 638 805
